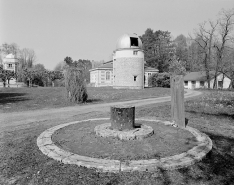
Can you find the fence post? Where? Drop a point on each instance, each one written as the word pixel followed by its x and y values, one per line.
pixel 177 100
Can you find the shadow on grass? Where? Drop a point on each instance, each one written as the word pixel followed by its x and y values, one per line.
pixel 12 97
pixel 217 166
pixel 212 114
pixel 93 100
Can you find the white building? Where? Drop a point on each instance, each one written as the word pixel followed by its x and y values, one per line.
pixel 128 63
pixel 195 80
pixel 127 68
pixel 10 62
pixel 103 75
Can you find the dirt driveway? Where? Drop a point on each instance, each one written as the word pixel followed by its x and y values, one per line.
pixel 27 117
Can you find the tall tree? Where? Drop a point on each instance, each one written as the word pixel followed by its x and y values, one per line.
pixel 26 58
pixel 182 49
pixel 83 65
pixel 6 76
pixel 204 39
pixel 30 75
pixel 224 37
pixel 12 48
pixel 60 66
pixel 54 75
pixel 158 48
pixel 39 67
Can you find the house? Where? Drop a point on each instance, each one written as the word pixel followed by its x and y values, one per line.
pixel 103 75
pixel 195 80
pixel 10 62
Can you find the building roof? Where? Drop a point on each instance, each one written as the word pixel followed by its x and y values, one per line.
pixel 151 69
pixel 198 76
pixel 108 65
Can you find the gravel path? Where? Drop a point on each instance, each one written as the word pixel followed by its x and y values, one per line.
pixel 27 117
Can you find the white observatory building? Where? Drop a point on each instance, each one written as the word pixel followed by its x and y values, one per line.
pixel 128 63
pixel 126 70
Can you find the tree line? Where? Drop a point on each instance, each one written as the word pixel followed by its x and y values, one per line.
pixel 210 48
pixel 27 71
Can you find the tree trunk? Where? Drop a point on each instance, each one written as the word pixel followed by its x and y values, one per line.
pixel 222 81
pixel 122 117
pixel 215 77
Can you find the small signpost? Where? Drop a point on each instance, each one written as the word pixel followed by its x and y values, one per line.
pixel 177 100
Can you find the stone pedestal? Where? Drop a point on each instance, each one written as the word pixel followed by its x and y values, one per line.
pixel 122 117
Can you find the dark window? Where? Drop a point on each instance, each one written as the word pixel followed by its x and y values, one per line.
pixel 134 52
pixel 134 41
pixel 220 84
pixel 186 83
pixel 135 78
pixel 10 65
pixel 201 83
pixel 108 75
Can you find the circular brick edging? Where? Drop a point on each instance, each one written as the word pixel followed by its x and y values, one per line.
pixel 104 130
pixel 185 159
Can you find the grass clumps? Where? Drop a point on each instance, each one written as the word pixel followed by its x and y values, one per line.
pixel 75 85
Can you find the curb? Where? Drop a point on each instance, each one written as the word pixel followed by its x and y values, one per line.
pixel 182 160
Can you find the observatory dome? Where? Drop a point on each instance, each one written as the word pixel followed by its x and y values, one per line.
pixel 129 41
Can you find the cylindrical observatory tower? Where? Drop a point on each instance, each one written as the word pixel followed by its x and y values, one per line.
pixel 128 63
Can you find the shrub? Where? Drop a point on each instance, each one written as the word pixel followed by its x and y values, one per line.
pixel 160 80
pixel 75 85
pixel 59 83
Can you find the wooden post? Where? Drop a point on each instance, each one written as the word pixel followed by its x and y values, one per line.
pixel 122 117
pixel 177 100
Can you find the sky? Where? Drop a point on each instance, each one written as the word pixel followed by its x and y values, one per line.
pixel 89 29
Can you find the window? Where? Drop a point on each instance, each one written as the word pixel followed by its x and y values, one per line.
pixel 134 78
pixel 10 66
pixel 108 75
pixel 149 74
pixel 186 83
pixel 134 41
pixel 220 84
pixel 134 52
pixel 202 83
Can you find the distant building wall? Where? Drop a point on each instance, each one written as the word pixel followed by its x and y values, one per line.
pixel 101 77
pixel 129 73
pixel 221 83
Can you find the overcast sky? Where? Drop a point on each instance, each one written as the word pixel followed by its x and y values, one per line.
pixel 89 29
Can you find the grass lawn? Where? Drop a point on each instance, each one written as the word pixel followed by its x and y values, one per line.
pixel 21 99
pixel 21 162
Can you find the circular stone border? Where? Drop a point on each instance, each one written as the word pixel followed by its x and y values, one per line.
pixel 197 153
pixel 104 130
